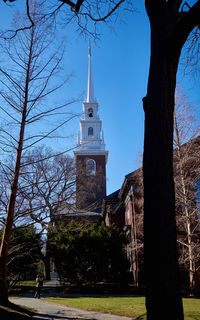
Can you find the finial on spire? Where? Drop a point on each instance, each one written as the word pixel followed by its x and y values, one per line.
pixel 90 91
pixel 89 49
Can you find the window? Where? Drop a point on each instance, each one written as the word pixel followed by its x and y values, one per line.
pixel 90 112
pixel 128 214
pixel 90 131
pixel 90 167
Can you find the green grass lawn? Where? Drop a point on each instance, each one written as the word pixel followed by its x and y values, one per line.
pixel 127 306
pixel 28 283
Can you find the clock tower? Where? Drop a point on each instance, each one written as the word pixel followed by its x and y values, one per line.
pixel 90 155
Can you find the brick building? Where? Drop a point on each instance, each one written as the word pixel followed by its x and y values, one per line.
pixel 124 208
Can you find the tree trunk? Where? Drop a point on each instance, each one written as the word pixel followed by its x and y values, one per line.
pixel 5 242
pixel 163 298
pixel 9 219
pixel 47 273
pixel 47 261
pixel 135 240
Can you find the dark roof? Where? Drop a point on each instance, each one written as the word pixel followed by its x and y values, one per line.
pixel 97 210
pixel 82 213
pixel 134 174
pixel 113 196
pixel 131 178
pixel 64 210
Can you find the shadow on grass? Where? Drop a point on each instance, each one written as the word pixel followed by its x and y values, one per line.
pixel 141 317
pixel 43 316
pixel 193 317
pixel 14 312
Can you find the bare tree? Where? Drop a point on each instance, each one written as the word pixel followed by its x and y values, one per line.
pixel 90 188
pixel 46 186
pixel 187 171
pixel 47 181
pixel 27 82
pixel 137 233
pixel 6 172
pixel 84 15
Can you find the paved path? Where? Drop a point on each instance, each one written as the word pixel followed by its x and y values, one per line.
pixel 52 311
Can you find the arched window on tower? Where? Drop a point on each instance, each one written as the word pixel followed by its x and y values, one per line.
pixel 90 131
pixel 91 167
pixel 90 112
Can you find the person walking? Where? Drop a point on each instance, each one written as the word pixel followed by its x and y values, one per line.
pixel 39 284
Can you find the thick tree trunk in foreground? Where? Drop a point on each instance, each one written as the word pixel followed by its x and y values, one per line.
pixel 161 261
pixel 171 23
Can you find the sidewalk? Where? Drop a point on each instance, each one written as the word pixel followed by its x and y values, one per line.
pixel 51 311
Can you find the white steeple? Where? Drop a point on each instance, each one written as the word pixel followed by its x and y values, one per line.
pixel 90 90
pixel 90 139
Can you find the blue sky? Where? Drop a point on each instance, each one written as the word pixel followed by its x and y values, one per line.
pixel 120 62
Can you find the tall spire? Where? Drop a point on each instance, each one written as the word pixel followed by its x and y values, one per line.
pixel 90 91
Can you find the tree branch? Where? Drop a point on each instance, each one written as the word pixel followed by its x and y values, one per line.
pixel 69 3
pixel 106 16
pixel 154 7
pixel 191 18
pixel 28 14
pixel 175 4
